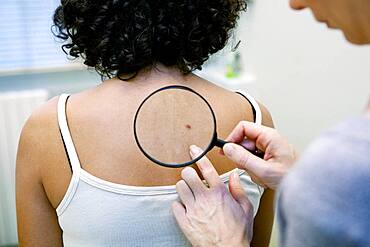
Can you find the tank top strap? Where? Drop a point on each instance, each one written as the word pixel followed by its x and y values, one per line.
pixel 255 106
pixel 70 149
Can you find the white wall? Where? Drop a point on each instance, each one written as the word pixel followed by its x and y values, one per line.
pixel 309 77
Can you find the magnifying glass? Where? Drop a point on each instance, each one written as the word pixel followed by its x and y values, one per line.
pixel 171 119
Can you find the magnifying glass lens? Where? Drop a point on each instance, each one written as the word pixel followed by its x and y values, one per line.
pixel 171 120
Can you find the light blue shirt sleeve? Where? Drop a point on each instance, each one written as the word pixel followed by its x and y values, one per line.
pixel 325 200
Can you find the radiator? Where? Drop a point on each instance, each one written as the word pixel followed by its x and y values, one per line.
pixel 15 108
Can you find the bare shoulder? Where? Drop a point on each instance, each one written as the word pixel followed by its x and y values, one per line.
pixel 244 107
pixel 36 218
pixel 42 114
pixel 40 152
pixel 266 116
pixel 37 130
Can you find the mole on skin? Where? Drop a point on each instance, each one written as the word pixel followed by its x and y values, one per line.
pixel 188 126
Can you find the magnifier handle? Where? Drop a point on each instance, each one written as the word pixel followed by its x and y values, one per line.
pixel 220 143
pixel 258 153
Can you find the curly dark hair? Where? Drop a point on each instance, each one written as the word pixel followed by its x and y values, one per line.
pixel 124 36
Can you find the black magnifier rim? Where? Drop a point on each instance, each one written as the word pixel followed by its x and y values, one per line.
pixel 176 165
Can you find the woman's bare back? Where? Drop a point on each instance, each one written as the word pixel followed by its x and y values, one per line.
pixel 101 120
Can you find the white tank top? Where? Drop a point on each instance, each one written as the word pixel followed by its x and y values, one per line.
pixel 95 212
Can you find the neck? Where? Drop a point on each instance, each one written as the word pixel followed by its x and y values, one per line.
pixel 157 72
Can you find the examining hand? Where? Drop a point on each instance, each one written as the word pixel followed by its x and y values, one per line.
pixel 278 158
pixel 210 215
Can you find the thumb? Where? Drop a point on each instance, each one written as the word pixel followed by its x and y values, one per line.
pixel 245 159
pixel 238 192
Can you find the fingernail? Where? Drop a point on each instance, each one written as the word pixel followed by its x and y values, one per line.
pixel 194 150
pixel 234 179
pixel 186 172
pixel 228 149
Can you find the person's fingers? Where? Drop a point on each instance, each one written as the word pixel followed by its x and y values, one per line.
pixel 206 168
pixel 244 129
pixel 239 193
pixel 262 136
pixel 247 144
pixel 190 176
pixel 246 160
pixel 185 194
pixel 180 215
